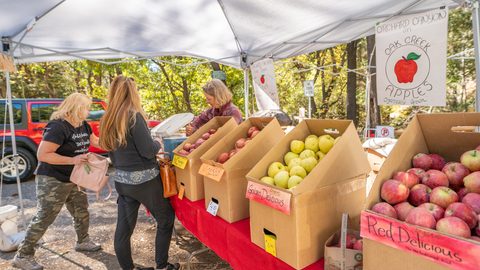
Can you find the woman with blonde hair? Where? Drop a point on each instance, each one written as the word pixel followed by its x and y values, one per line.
pixel 220 100
pixel 124 133
pixel 65 143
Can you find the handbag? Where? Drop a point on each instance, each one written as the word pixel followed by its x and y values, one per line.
pixel 92 174
pixel 169 180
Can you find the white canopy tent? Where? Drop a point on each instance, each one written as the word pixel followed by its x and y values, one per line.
pixel 232 32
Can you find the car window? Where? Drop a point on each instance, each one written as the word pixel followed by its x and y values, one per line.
pixel 17 113
pixel 96 112
pixel 41 112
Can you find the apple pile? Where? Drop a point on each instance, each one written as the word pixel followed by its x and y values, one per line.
pixel 300 161
pixel 190 147
pixel 239 144
pixel 352 242
pixel 437 195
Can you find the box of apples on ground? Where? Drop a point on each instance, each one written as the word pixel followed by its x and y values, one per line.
pixel 424 205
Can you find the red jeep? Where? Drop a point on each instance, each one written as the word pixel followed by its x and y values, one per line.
pixel 30 117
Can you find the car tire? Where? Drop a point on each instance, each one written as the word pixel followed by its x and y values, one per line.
pixel 26 165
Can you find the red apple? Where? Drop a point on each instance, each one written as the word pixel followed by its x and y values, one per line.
pixel 251 130
pixel 464 212
pixel 443 196
pixel 408 179
pixel 421 217
pixel 406 68
pixel 187 146
pixel 453 225
pixel 461 193
pixel 358 244
pixel 437 162
pixel 435 178
pixel 205 136
pixel 385 209
pixel 475 238
pixel 422 161
pixel 473 200
pixel 472 182
pixel 254 134
pixel 419 194
pixel 223 157
pixel 183 152
pixel 212 131
pixel 455 173
pixel 403 209
pixel 434 209
pixel 240 143
pixel 191 149
pixel 394 192
pixel 471 160
pixel 232 153
pixel 199 142
pixel 477 230
pixel 417 171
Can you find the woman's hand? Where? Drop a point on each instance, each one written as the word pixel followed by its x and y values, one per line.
pixel 188 130
pixel 79 159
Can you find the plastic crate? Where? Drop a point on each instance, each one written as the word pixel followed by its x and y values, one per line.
pixel 170 143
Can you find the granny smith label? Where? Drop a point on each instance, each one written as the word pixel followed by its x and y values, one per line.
pixel 411 59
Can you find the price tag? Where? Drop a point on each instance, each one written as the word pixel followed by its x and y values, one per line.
pixel 270 244
pixel 213 207
pixel 179 162
pixel 211 171
pixel 181 191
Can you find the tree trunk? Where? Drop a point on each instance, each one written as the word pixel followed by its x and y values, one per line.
pixel 186 94
pixel 352 82
pixel 375 118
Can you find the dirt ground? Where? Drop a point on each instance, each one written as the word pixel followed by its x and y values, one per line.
pixel 56 251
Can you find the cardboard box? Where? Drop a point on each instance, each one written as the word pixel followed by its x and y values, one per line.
pixel 339 257
pixel 188 177
pixel 303 218
pixel 229 189
pixel 406 246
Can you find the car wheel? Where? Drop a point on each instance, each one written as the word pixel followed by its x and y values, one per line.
pixel 26 163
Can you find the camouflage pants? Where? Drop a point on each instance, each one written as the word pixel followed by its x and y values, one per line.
pixel 51 196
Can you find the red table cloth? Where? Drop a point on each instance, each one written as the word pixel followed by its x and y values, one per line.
pixel 230 241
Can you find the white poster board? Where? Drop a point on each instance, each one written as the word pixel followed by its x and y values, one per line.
pixel 308 88
pixel 265 85
pixel 412 58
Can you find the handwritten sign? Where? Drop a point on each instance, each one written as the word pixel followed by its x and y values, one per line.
pixel 270 244
pixel 451 252
pixel 211 171
pixel 179 161
pixel 268 196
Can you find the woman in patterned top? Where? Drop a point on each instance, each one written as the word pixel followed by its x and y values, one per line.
pixel 124 133
pixel 220 99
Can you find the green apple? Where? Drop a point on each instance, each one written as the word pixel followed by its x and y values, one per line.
pixel 325 143
pixel 294 180
pixel 297 146
pixel 320 155
pixel 309 163
pixel 336 139
pixel 275 168
pixel 267 179
pixel 294 162
pixel 289 156
pixel 311 143
pixel 281 179
pixel 298 170
pixel 307 153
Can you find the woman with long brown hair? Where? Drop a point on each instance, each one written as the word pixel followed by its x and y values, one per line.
pixel 124 133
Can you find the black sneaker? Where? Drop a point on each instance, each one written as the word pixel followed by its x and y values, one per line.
pixel 170 266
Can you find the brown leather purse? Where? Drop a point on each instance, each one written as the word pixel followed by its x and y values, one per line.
pixel 169 180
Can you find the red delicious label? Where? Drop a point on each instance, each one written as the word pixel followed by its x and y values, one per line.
pixel 269 196
pixel 449 251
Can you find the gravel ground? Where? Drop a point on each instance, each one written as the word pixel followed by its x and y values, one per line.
pixel 56 251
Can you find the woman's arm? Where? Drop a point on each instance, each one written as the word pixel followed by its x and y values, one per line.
pixel 146 146
pixel 46 153
pixel 200 120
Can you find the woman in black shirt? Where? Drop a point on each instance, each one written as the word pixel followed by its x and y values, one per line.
pixel 65 143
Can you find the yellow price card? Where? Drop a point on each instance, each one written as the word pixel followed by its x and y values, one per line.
pixel 270 244
pixel 179 162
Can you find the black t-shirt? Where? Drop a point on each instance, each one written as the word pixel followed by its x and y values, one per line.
pixel 73 141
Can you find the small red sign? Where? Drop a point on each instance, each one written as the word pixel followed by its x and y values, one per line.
pixel 452 252
pixel 268 196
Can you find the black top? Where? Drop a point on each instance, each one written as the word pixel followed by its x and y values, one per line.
pixel 73 141
pixel 140 151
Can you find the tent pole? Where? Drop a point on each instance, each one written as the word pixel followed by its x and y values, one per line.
pixel 476 41
pixel 367 104
pixel 246 95
pixel 14 146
